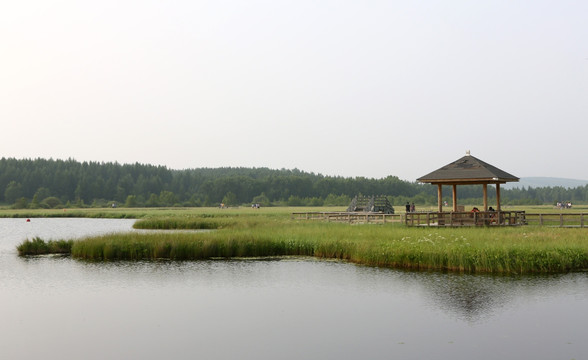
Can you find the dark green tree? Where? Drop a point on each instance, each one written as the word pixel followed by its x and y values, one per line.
pixel 230 199
pixel 131 201
pixel 262 200
pixel 51 202
pixel 13 192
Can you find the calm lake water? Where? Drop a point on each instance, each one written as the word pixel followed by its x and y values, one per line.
pixel 58 308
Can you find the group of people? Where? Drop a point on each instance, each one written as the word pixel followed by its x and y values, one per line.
pixel 410 207
pixel 475 209
pixel 485 218
pixel 564 205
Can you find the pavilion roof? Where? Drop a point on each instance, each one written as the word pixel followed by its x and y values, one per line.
pixel 468 170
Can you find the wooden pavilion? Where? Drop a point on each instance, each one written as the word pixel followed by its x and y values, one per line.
pixel 468 170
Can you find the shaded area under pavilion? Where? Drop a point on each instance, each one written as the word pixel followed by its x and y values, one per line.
pixel 469 170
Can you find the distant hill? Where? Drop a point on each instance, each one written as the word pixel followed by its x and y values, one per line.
pixel 538 182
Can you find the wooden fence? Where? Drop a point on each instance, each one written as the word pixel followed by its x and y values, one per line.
pixel 482 218
pixel 350 217
pixel 459 218
pixel 559 220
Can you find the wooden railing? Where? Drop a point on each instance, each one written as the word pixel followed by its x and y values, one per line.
pixel 560 220
pixel 481 218
pixel 350 217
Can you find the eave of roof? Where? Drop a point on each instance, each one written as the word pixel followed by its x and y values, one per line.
pixel 468 170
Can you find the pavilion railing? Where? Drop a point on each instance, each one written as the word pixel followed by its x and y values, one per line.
pixel 425 218
pixel 350 217
pixel 481 218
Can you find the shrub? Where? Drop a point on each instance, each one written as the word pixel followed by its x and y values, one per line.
pixel 51 202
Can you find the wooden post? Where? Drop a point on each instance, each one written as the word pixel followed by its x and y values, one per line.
pixel 454 198
pixel 485 188
pixel 497 197
pixel 440 197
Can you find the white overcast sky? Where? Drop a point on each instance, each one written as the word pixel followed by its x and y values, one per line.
pixel 349 88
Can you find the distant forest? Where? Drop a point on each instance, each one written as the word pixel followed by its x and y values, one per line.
pixel 42 183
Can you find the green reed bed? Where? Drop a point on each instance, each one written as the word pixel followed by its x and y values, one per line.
pixel 481 250
pixel 38 246
pixel 183 223
pixel 272 232
pixel 488 250
pixel 183 246
pixel 220 220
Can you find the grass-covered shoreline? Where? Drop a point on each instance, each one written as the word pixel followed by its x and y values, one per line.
pixel 38 246
pixel 272 233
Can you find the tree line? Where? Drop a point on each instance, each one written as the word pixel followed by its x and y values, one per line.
pixel 49 183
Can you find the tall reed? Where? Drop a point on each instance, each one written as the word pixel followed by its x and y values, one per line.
pixel 38 246
pixel 251 233
pixel 521 250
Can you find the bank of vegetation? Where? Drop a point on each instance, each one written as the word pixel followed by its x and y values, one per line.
pixel 55 184
pixel 38 246
pixel 519 250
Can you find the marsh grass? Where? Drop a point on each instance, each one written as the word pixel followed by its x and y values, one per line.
pixel 216 219
pixel 38 246
pixel 271 233
pixel 183 223
pixel 492 250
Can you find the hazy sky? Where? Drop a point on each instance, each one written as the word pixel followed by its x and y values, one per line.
pixel 350 88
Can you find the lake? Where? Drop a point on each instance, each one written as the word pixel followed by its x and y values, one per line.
pixel 59 308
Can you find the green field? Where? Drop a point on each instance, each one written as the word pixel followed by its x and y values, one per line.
pixel 139 213
pixel 271 232
pixel 122 212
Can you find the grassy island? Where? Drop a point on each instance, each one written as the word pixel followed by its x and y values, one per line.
pixel 272 233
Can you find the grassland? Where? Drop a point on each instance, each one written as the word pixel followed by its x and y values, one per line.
pixel 271 232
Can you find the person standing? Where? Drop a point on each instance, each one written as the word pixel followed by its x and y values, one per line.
pixel 407 206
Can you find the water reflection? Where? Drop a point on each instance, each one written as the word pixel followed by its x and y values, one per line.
pixel 468 297
pixel 477 298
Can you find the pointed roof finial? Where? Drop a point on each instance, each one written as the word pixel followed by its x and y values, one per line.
pixel 467 152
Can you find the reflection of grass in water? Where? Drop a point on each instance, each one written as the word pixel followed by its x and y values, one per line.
pixel 257 234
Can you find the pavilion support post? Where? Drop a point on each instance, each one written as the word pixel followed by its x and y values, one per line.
pixel 454 198
pixel 440 197
pixel 485 188
pixel 498 197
